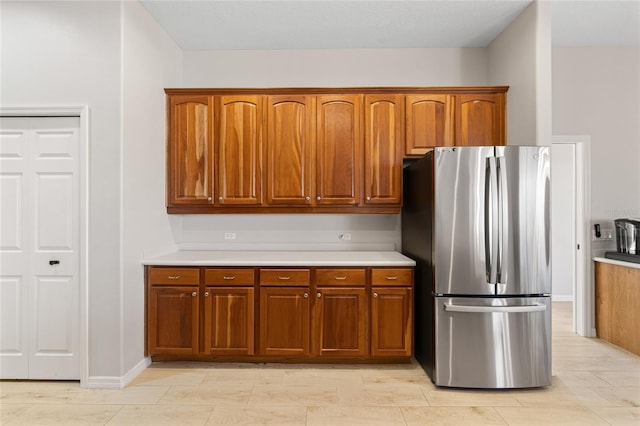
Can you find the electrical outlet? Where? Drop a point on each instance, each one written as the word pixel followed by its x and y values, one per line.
pixel 344 236
pixel 605 235
pixel 229 235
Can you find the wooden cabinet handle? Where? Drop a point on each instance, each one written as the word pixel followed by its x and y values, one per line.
pixel 209 199
pixel 318 295
pixel 306 295
pixel 375 294
pixel 368 198
pixel 173 277
pixel 206 294
pixel 194 294
pixel 284 278
pixel 391 278
pixel 220 199
pixel 229 277
pixel 340 278
pixel 318 198
pixel 307 198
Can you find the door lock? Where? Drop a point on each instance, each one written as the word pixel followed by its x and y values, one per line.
pixel 54 262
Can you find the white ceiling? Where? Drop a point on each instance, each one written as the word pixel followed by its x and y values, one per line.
pixel 325 24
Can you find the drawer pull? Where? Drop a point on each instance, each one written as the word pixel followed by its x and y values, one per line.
pixel 231 277
pixel 284 278
pixel 318 295
pixel 194 294
pixel 391 277
pixel 375 294
pixel 340 278
pixel 173 277
pixel 306 295
pixel 206 294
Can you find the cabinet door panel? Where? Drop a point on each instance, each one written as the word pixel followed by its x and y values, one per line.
pixel 339 146
pixel 383 149
pixel 228 321
pixel 341 325
pixel 391 321
pixel 189 150
pixel 173 320
pixel 239 145
pixel 428 122
pixel 284 321
pixel 290 144
pixel 480 119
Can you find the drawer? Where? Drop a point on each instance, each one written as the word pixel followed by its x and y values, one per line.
pixel 340 277
pixel 229 277
pixel 284 277
pixel 174 276
pixel 392 276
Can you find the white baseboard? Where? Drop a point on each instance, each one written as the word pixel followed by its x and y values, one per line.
pixel 561 298
pixel 117 382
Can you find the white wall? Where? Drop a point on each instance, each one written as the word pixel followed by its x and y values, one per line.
pixel 520 57
pixel 68 53
pixel 318 68
pixel 596 92
pixel 150 61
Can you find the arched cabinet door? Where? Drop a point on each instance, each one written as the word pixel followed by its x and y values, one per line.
pixel 480 119
pixel 189 166
pixel 238 150
pixel 428 121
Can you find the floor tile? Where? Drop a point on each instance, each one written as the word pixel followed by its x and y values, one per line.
pixel 620 416
pixel 471 398
pixel 280 416
pixel 244 377
pixel 354 416
pixel 382 395
pixel 131 395
pixel 207 395
pixel 620 396
pixel 560 416
pixel 152 415
pixel 322 377
pixel 452 416
pixel 620 378
pixel 60 414
pixel 38 392
pixel 294 395
pixel 168 377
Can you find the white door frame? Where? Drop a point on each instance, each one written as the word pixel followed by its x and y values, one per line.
pixel 584 303
pixel 82 112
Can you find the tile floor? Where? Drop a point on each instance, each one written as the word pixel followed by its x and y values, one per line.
pixel 594 383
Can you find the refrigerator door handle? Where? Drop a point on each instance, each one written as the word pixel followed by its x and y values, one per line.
pixel 503 220
pixel 491 220
pixel 538 307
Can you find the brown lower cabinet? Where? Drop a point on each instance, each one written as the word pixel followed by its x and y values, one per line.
pixel 297 313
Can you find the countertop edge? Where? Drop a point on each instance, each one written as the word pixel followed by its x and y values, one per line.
pixel 617 262
pixel 275 259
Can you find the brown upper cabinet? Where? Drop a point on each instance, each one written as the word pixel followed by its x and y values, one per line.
pixel 314 150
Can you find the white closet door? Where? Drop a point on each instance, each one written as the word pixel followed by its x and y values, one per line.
pixel 39 252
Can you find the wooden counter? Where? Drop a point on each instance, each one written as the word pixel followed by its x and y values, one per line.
pixel 618 303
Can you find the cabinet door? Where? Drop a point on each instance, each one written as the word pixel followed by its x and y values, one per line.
pixel 341 322
pixel 173 320
pixel 284 321
pixel 383 149
pixel 189 165
pixel 429 122
pixel 391 321
pixel 339 149
pixel 228 320
pixel 480 119
pixel 289 152
pixel 238 147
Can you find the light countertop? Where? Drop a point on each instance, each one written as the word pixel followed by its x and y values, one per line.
pixel 617 262
pixel 281 258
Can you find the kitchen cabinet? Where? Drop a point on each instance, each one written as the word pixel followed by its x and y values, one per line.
pixel 285 312
pixel 338 149
pixel 173 311
pixel 391 312
pixel 617 301
pixel 480 119
pixel 290 149
pixel 383 149
pixel 429 122
pixel 340 313
pixel 229 311
pixel 180 307
pixel 252 313
pixel 238 143
pixel 189 150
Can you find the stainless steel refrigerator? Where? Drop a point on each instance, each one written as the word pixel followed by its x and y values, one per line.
pixel 476 221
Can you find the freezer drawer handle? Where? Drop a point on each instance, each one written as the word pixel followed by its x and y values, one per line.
pixel 538 307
